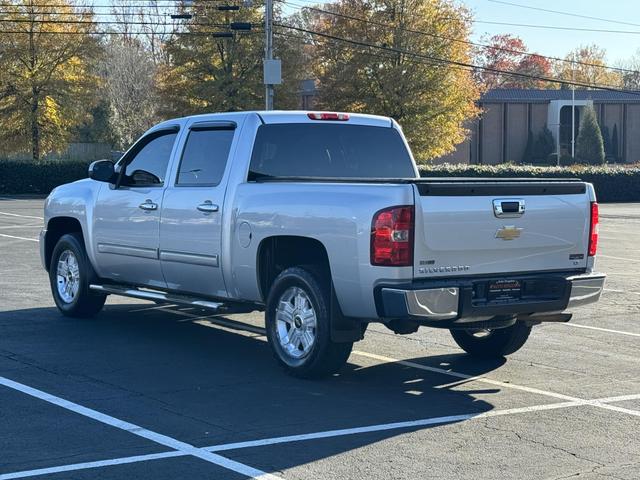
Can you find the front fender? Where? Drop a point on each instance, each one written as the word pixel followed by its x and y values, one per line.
pixel 75 200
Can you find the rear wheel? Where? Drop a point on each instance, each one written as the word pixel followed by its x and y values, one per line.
pixel 492 343
pixel 70 275
pixel 299 325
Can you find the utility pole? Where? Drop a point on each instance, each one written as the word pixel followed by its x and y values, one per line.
pixel 573 115
pixel 272 67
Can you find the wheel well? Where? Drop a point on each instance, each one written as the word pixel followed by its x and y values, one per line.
pixel 276 254
pixel 56 228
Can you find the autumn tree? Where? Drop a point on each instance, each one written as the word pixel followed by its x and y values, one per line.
pixel 46 83
pixel 206 74
pixel 397 63
pixel 509 53
pixel 631 73
pixel 587 65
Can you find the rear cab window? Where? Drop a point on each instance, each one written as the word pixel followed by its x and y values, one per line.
pixel 329 151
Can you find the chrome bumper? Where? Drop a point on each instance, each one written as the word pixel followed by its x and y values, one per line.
pixel 431 304
pixel 585 289
pixel 440 304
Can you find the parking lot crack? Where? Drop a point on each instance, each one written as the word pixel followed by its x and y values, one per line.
pixel 543 444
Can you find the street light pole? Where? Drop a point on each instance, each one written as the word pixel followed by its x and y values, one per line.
pixel 268 51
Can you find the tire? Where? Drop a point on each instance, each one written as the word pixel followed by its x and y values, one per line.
pixel 496 343
pixel 298 325
pixel 70 289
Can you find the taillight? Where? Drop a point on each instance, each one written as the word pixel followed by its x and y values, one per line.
pixel 329 116
pixel 593 229
pixel 392 237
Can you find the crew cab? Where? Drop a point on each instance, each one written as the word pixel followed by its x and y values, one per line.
pixel 322 221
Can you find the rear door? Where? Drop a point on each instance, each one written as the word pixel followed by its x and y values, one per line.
pixel 474 228
pixel 193 208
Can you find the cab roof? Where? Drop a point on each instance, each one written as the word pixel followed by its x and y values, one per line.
pixel 286 116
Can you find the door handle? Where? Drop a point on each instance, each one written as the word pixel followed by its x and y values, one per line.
pixel 207 207
pixel 148 205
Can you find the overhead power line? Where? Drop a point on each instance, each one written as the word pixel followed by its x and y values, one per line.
pixel 453 39
pixel 82 7
pixel 458 63
pixel 112 32
pixel 106 22
pixel 557 27
pixel 569 14
pixel 173 4
pixel 216 34
pixel 85 13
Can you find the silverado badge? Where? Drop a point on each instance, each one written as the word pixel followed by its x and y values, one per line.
pixel 509 232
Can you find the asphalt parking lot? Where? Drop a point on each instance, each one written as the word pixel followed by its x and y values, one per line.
pixel 164 393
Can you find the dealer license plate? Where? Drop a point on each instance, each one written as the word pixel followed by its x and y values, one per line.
pixel 504 290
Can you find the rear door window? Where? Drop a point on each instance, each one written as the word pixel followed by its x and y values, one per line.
pixel 205 156
pixel 329 151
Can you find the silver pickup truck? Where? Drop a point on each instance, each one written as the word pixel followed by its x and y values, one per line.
pixel 321 221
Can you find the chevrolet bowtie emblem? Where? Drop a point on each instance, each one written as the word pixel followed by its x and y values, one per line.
pixel 508 233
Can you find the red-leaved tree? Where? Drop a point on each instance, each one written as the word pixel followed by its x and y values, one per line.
pixel 508 53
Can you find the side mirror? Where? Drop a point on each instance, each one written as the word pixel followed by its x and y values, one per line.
pixel 102 171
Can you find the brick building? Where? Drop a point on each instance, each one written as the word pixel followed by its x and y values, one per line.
pixel 500 135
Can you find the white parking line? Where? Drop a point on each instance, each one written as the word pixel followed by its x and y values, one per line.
pixel 88 465
pixel 513 386
pixel 619 291
pixel 210 321
pixel 608 330
pixel 318 435
pixel 21 216
pixel 164 440
pixel 416 423
pixel 390 426
pixel 19 238
pixel 9 227
pixel 619 258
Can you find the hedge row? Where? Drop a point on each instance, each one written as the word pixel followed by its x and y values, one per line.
pixel 612 183
pixel 19 176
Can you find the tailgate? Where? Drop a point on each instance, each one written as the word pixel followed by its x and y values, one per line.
pixel 472 227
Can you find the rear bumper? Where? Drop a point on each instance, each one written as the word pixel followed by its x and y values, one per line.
pixel 456 301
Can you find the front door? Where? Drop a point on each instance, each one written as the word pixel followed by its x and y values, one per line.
pixel 127 216
pixel 191 224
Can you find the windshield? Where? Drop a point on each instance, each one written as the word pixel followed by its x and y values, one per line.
pixel 329 151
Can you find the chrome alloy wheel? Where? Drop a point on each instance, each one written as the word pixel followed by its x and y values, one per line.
pixel 296 323
pixel 68 276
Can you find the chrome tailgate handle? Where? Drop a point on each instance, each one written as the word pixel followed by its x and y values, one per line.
pixel 148 205
pixel 207 207
pixel 508 207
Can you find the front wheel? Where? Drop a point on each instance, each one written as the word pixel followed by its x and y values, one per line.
pixel 70 275
pixel 298 325
pixel 492 343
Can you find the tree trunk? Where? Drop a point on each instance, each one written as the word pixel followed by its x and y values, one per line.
pixel 35 128
pixel 35 94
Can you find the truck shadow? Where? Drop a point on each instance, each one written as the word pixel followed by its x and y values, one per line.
pixel 210 386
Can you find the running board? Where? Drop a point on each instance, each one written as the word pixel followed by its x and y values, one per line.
pixel 157 296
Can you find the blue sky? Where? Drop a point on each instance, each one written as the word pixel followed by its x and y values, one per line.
pixel 547 41
pixel 559 42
